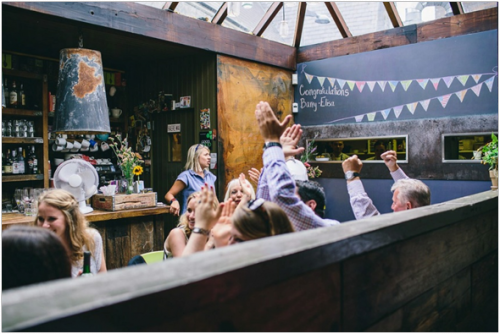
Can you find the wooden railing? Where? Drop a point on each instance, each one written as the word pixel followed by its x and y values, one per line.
pixel 428 269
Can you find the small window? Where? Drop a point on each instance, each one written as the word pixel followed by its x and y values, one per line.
pixel 175 147
pixel 461 147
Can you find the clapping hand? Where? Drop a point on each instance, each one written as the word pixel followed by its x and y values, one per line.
pixel 390 159
pixel 254 174
pixel 270 127
pixel 289 140
pixel 205 215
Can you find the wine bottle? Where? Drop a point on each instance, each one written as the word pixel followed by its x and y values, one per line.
pixel 13 95
pixel 34 159
pixel 22 98
pixel 21 162
pixel 15 164
pixel 86 264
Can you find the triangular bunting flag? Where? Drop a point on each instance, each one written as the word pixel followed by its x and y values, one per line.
pixel 393 85
pixel 397 110
pixel 332 81
pixel 371 116
pixel 406 84
pixel 309 77
pixel 476 77
pixel 463 79
pixel 321 80
pixel 371 85
pixel 411 107
pixel 435 82
pixel 477 88
pixel 444 100
pixel 489 83
pixel 425 104
pixel 360 85
pixel 423 82
pixel 382 84
pixel 359 118
pixel 461 95
pixel 341 83
pixel 385 113
pixel 351 84
pixel 448 81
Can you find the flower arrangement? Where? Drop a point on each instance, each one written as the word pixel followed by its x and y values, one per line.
pixel 129 161
pixel 309 153
pixel 490 153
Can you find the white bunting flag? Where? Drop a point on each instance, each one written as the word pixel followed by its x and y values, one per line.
pixel 425 104
pixel 309 77
pixel 332 81
pixel 371 85
pixel 423 82
pixel 382 84
pixel 398 110
pixel 341 83
pixel 477 89
pixel 359 118
pixel 385 113
pixel 321 80
pixel 489 83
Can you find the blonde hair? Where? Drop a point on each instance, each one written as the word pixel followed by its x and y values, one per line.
pixel 183 220
pixel 193 157
pixel 267 220
pixel 78 232
pixel 236 182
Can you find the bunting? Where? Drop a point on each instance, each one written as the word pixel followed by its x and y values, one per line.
pixel 405 84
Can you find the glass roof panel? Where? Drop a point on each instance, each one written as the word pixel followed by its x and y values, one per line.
pixel 155 4
pixel 364 17
pixel 473 6
pixel 248 18
pixel 417 12
pixel 273 30
pixel 199 10
pixel 316 29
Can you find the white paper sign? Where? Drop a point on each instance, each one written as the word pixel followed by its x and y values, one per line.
pixel 173 128
pixel 213 160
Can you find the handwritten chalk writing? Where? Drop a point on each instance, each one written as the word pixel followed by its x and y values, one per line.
pixel 323 91
pixel 308 104
pixel 324 102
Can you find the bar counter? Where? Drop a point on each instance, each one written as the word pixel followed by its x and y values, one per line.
pixel 125 233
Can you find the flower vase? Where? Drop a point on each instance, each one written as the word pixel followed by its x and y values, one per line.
pixel 130 185
pixel 494 179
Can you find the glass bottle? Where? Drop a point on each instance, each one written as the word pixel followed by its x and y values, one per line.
pixel 22 98
pixel 34 159
pixel 13 95
pixel 7 168
pixel 86 264
pixel 15 163
pixel 20 161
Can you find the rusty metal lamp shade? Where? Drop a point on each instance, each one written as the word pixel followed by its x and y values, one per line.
pixel 81 106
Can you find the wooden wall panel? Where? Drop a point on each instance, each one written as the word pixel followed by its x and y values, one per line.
pixel 240 86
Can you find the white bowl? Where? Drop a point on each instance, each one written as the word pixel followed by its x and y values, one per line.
pixel 322 159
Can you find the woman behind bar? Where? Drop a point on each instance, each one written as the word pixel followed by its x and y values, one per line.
pixel 58 211
pixel 32 255
pixel 192 179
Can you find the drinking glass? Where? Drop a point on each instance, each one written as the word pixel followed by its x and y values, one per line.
pixel 18 197
pixel 28 201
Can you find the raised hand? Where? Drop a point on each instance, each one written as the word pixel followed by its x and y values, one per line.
pixel 270 127
pixel 254 174
pixel 289 140
pixel 352 164
pixel 390 158
pixel 205 215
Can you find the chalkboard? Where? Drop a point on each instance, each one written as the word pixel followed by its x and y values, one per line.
pixel 444 78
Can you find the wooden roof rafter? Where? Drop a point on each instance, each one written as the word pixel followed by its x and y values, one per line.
pixel 338 18
pixel 221 14
pixel 170 6
pixel 301 13
pixel 390 7
pixel 457 8
pixel 267 19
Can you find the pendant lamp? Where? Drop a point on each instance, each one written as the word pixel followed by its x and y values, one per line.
pixel 81 106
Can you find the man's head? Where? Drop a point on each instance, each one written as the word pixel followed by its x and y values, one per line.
pixel 337 147
pixel 313 195
pixel 409 194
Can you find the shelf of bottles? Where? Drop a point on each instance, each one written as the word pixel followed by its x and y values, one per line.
pixel 23 126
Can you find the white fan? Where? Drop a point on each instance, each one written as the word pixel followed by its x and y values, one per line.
pixel 78 177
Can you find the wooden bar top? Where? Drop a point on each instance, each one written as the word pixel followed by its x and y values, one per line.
pixel 94 216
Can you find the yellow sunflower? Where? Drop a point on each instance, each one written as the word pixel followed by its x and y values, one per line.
pixel 137 170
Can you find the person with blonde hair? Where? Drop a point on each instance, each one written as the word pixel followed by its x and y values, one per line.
pixel 59 212
pixel 178 237
pixel 196 174
pixel 237 188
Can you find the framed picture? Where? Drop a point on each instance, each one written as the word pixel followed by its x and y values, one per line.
pixel 185 102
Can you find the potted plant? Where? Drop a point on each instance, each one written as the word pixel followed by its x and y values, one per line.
pixel 489 156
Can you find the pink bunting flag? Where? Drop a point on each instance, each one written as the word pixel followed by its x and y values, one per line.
pixel 397 110
pixel 477 89
pixel 423 82
pixel 435 82
pixel 360 85
pixel 444 100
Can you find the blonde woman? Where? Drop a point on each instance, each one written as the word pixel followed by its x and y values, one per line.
pixel 196 174
pixel 238 190
pixel 58 211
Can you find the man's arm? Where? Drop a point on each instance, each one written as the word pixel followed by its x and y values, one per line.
pixel 390 159
pixel 362 205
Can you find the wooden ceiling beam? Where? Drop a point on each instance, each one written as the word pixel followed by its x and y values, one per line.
pixel 338 18
pixel 221 14
pixel 457 8
pixel 391 9
pixel 268 18
pixel 299 27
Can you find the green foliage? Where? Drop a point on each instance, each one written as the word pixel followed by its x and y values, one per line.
pixel 490 153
